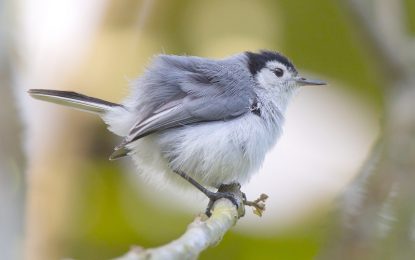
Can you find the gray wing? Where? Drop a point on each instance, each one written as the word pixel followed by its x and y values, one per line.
pixel 208 91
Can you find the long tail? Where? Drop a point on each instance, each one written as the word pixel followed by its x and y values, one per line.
pixel 81 102
pixel 74 100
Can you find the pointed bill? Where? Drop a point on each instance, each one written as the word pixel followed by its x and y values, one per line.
pixel 309 82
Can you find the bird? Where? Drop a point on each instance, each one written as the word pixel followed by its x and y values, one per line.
pixel 209 121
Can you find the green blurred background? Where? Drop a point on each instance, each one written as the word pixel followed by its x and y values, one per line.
pixel 95 207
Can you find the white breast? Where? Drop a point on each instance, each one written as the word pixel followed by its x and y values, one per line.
pixel 212 153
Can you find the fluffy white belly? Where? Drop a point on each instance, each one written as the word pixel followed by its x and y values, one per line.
pixel 212 153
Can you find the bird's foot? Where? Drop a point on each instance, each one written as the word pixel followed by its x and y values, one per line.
pixel 231 192
pixel 224 191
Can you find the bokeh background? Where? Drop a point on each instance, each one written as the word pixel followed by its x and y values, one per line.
pixel 61 197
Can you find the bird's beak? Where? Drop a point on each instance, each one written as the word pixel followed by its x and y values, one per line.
pixel 309 82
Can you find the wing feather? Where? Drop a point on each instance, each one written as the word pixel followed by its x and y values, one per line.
pixel 206 93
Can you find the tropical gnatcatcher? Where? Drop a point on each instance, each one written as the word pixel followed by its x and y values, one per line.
pixel 209 121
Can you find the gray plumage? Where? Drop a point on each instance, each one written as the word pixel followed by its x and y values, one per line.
pixel 212 119
pixel 186 90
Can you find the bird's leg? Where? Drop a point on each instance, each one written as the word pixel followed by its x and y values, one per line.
pixel 213 196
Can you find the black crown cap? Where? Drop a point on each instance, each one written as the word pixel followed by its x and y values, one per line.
pixel 257 61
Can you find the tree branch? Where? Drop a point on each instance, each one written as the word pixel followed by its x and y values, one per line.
pixel 200 234
pixel 378 216
pixel 380 25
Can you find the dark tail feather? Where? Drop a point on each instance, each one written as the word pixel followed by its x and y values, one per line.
pixel 73 99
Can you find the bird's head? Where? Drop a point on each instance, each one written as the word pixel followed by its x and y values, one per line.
pixel 274 71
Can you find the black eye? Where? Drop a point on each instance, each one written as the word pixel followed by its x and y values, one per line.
pixel 278 72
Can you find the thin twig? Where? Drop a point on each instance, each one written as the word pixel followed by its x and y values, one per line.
pixel 202 232
pixel 258 204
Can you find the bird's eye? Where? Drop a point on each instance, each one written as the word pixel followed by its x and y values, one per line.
pixel 278 72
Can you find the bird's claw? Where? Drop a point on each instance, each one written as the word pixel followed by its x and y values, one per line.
pixel 214 196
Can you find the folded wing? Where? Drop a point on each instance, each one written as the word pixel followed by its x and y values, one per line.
pixel 205 94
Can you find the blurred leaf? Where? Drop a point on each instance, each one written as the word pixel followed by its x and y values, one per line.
pixel 409 9
pixel 317 36
pixel 237 246
pixel 103 226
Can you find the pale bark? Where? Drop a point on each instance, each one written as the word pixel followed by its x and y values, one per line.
pixel 12 163
pixel 203 231
pixel 377 217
